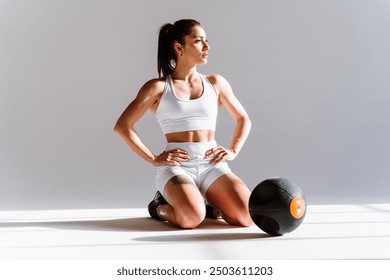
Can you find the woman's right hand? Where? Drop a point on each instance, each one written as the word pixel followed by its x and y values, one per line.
pixel 172 157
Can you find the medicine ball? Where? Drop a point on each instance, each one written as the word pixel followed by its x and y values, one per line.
pixel 277 206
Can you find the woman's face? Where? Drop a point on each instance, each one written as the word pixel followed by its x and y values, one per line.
pixel 196 47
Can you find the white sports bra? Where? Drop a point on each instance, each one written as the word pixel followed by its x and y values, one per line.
pixel 176 115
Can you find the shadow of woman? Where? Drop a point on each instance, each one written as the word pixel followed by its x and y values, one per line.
pixel 127 224
pixel 119 225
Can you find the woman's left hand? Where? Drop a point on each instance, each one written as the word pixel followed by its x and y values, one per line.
pixel 219 154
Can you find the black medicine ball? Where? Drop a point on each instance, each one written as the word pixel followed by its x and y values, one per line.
pixel 277 206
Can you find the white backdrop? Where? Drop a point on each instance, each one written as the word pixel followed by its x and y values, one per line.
pixel 313 75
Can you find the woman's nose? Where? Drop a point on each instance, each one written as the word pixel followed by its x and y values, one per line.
pixel 206 46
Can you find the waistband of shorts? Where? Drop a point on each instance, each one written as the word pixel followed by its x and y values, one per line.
pixel 193 148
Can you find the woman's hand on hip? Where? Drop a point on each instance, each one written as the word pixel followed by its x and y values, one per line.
pixel 172 157
pixel 219 154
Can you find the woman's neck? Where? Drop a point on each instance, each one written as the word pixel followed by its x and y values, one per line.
pixel 185 73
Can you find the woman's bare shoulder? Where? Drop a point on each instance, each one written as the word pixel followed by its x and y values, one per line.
pixel 153 87
pixel 215 78
pixel 218 82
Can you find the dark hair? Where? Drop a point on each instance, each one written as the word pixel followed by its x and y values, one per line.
pixel 169 34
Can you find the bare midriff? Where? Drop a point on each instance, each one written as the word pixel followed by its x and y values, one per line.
pixel 191 136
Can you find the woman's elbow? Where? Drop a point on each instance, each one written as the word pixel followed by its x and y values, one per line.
pixel 249 122
pixel 118 127
pixel 245 121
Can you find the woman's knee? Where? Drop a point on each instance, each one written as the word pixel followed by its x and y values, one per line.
pixel 188 207
pixel 190 218
pixel 238 212
pixel 239 219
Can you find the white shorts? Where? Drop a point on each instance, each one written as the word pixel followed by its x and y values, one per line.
pixel 198 168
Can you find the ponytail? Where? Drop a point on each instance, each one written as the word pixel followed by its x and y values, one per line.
pixel 165 53
pixel 168 35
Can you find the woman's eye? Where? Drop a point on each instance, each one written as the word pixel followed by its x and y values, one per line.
pixel 201 41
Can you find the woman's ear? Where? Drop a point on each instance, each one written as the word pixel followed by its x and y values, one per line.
pixel 178 48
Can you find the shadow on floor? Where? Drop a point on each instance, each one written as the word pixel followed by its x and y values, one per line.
pixel 119 225
pixel 202 237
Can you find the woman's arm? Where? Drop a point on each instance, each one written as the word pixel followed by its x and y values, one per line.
pixel 148 95
pixel 239 115
pixel 147 98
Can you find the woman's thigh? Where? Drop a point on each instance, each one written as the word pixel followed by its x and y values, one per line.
pixel 230 194
pixel 185 198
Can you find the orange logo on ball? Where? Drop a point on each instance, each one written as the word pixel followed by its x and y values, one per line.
pixel 297 207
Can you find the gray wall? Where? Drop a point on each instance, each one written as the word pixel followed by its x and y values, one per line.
pixel 313 75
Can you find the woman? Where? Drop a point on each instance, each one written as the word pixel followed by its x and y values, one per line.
pixel 193 168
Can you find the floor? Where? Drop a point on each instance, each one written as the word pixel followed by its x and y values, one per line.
pixel 328 232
